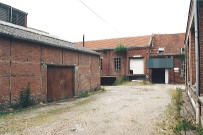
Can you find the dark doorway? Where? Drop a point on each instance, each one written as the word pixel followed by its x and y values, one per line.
pixel 107 80
pixel 158 75
pixel 59 83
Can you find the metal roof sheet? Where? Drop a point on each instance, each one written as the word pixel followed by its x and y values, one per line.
pixel 19 32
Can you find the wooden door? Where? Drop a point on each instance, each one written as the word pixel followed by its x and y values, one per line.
pixel 59 83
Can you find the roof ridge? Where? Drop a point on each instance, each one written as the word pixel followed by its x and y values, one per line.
pixel 114 38
pixel 23 33
pixel 33 31
pixel 169 33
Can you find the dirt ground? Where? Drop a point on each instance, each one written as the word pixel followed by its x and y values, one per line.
pixel 120 110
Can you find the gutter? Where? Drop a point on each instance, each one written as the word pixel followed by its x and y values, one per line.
pixel 130 47
pixel 167 54
pixel 188 23
pixel 50 44
pixel 196 20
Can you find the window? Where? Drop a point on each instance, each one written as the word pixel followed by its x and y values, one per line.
pixel 101 64
pixel 183 50
pixel 183 68
pixel 161 50
pixel 117 63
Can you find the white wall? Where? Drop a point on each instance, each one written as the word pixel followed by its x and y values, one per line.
pixel 166 76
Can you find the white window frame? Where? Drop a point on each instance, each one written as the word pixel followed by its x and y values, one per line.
pixel 161 50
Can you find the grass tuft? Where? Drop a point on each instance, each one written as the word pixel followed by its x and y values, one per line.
pixel 174 123
pixel 85 101
pixel 120 81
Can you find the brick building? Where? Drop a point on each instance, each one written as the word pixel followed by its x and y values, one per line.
pixel 194 57
pixel 167 61
pixel 56 69
pixel 158 58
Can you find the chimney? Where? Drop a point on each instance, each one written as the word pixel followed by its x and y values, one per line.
pixel 83 40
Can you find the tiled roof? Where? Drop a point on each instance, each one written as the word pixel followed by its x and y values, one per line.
pixel 112 43
pixel 172 43
pixel 19 32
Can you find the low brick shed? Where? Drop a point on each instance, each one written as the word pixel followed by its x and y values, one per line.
pixel 26 55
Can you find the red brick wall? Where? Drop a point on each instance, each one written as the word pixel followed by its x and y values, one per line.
pixel 105 62
pixel 22 62
pixel 108 61
pixel 88 72
pixel 94 72
pixel 70 57
pixel 51 55
pixel 187 62
pixel 174 77
pixel 192 58
pixel 5 70
pixel 201 44
pixel 144 52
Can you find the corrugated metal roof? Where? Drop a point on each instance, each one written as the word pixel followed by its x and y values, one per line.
pixel 19 32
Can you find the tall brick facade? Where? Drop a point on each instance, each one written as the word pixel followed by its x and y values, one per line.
pixel 143 47
pixel 194 73
pixel 22 62
pixel 108 56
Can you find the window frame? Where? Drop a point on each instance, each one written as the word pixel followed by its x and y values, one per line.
pixel 182 68
pixel 161 50
pixel 101 64
pixel 182 49
pixel 117 64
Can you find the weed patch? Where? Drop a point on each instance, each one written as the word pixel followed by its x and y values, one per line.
pixel 85 101
pixel 84 94
pixel 102 89
pixel 120 49
pixel 172 114
pixel 25 99
pixel 120 81
pixel 132 83
pixel 174 123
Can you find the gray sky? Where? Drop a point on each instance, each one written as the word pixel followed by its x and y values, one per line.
pixel 70 19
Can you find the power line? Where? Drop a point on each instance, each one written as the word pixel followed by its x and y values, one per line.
pixel 99 16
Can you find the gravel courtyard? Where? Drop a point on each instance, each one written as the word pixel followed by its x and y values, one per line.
pixel 120 110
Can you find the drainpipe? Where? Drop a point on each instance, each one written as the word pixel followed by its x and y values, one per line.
pixel 197 60
pixel 185 64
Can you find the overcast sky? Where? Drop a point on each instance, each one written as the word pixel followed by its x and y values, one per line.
pixel 70 19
